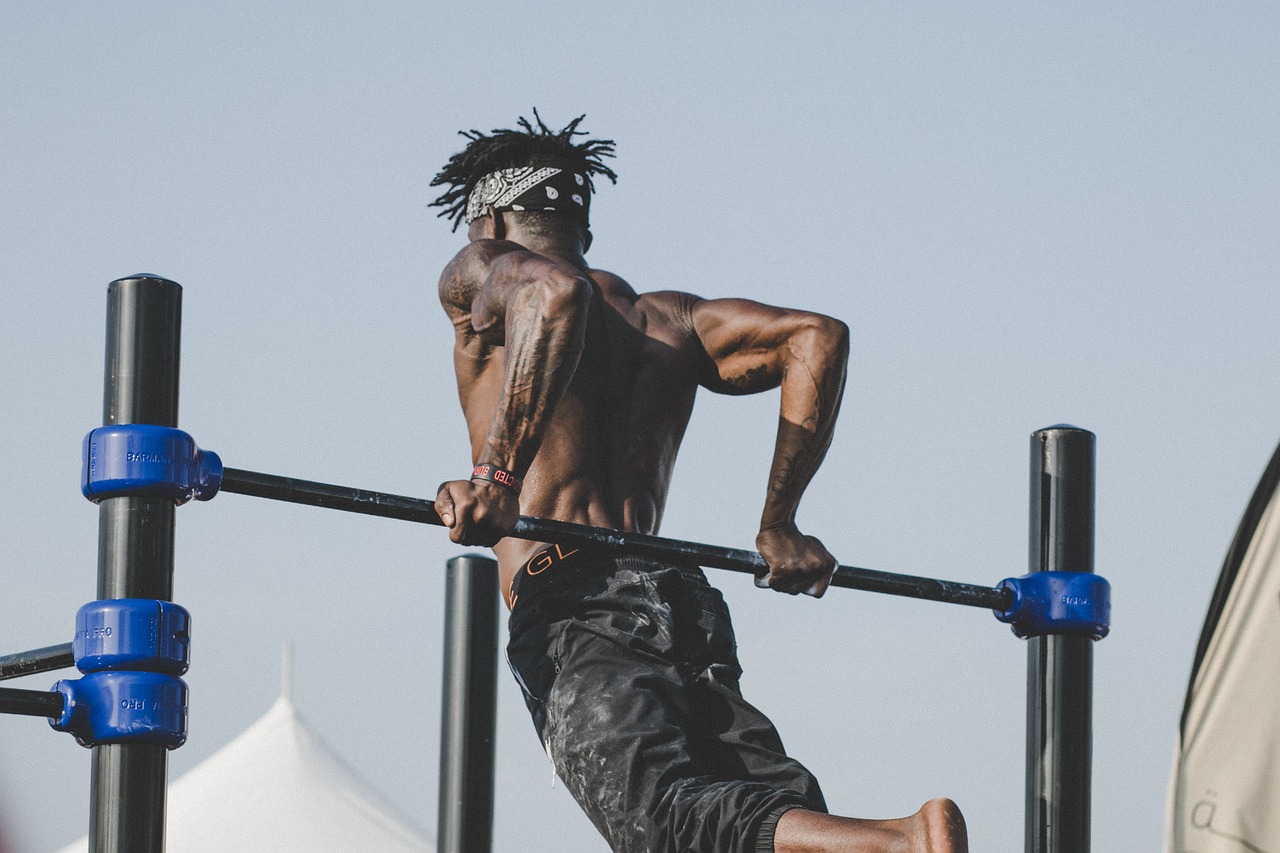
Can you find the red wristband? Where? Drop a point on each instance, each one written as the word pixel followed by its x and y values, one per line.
pixel 494 474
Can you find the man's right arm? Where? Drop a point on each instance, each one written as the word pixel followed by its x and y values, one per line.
pixel 500 294
pixel 751 348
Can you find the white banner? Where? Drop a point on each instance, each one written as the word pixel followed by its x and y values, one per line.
pixel 1224 792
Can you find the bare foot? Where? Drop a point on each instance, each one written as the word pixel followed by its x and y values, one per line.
pixel 937 828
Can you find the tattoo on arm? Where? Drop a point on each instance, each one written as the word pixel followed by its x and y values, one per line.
pixel 798 454
pixel 455 292
pixel 780 482
pixel 545 325
pixel 752 379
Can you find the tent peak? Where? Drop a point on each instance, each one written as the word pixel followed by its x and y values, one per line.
pixel 286 671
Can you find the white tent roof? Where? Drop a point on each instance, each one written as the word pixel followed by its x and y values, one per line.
pixel 279 788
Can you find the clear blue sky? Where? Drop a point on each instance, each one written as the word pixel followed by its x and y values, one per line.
pixel 1028 216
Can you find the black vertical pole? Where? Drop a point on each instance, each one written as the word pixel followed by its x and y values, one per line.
pixel 135 545
pixel 1060 668
pixel 469 721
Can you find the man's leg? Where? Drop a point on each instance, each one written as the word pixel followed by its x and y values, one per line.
pixel 937 828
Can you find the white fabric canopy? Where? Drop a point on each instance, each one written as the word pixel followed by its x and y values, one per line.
pixel 1224 793
pixel 278 788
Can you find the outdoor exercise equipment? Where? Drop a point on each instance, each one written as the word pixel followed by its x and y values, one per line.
pixel 133 644
pixel 145 460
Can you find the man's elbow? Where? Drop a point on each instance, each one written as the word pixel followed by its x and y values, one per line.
pixel 823 338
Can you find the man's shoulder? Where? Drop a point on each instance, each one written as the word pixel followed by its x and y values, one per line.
pixel 466 270
pixel 612 284
pixel 669 309
pixel 478 254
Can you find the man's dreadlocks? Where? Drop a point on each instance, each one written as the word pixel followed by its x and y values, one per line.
pixel 509 149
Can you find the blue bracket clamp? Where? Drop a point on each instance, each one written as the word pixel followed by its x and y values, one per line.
pixel 148 461
pixel 132 651
pixel 124 707
pixel 132 634
pixel 1065 603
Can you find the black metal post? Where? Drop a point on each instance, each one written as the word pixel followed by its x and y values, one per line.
pixel 469 720
pixel 1060 668
pixel 135 544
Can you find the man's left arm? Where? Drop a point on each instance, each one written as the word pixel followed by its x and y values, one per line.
pixel 535 308
pixel 752 348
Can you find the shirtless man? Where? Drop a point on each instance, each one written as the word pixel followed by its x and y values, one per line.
pixel 576 392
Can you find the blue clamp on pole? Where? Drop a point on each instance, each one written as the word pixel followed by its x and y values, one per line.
pixel 148 461
pixel 124 707
pixel 132 634
pixel 132 651
pixel 1077 603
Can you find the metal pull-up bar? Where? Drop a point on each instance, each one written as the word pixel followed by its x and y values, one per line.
pixel 37 660
pixel 31 702
pixel 165 462
pixel 423 511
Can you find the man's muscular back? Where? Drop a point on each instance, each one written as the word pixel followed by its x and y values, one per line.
pixel 607 453
pixel 569 378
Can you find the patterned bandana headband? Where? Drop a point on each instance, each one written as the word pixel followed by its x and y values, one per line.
pixel 531 188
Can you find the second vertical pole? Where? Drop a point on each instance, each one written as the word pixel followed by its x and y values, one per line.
pixel 135 545
pixel 1060 668
pixel 468 726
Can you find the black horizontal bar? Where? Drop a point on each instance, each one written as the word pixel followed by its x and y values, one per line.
pixel 423 511
pixel 32 703
pixel 37 660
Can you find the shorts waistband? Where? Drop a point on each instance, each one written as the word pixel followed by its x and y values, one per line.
pixel 546 567
pixel 561 563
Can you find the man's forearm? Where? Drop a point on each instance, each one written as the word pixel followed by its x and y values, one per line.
pixel 812 387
